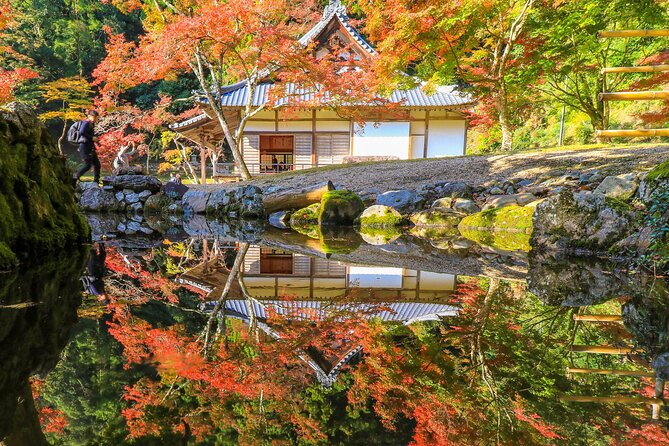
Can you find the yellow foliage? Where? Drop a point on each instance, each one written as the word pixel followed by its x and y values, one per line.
pixel 74 95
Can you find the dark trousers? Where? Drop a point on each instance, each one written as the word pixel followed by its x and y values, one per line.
pixel 90 159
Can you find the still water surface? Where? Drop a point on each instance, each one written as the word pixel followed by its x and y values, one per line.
pixel 261 336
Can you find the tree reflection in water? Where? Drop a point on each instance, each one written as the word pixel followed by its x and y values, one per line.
pixel 203 369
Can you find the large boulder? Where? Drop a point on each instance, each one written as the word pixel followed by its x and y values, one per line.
pixel 175 191
pixel 405 201
pixel 618 188
pixel 561 280
pixel 38 212
pixel 97 199
pixel 137 183
pixel 240 202
pixel 195 201
pixel 339 208
pixel 581 222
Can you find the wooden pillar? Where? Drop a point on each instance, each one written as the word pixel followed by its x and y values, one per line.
pixel 203 160
pixel 427 132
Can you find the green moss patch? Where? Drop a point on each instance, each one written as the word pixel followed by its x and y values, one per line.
pixel 8 259
pixel 515 218
pixel 659 172
pixel 504 240
pixel 508 228
pixel 388 220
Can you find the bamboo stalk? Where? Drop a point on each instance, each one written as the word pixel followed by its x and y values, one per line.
pixel 611 399
pixel 639 133
pixel 635 33
pixel 633 95
pixel 642 69
pixel 641 373
pixel 598 318
pixel 603 349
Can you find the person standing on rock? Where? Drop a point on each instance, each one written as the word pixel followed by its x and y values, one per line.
pixel 87 140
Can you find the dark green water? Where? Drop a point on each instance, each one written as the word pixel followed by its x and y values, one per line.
pixel 211 335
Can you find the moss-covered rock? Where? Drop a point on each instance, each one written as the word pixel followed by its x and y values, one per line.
pixel 659 173
pixel 380 216
pixel 158 204
pixel 305 216
pixel 339 208
pixel 38 213
pixel 582 222
pixel 437 217
pixel 507 228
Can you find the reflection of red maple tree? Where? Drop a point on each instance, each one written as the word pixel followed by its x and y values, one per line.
pixel 52 420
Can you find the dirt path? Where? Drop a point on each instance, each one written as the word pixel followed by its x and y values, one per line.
pixel 474 170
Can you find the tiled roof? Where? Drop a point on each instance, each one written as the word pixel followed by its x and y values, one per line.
pixel 188 122
pixel 406 312
pixel 236 96
pixel 336 11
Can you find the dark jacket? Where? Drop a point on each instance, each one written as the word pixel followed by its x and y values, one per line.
pixel 86 134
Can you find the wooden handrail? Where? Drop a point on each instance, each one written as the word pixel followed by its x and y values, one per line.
pixel 598 317
pixel 603 349
pixel 635 33
pixel 633 95
pixel 617 372
pixel 641 69
pixel 640 133
pixel 611 399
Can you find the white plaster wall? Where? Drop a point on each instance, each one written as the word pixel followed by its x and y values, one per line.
pixel 374 277
pixel 333 126
pixel 260 126
pixel 294 126
pixel 417 147
pixel 445 138
pixel 382 139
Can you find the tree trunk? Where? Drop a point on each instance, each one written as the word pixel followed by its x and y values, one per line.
pixel 504 119
pixel 237 147
pixel 507 131
pixel 296 199
pixel 62 137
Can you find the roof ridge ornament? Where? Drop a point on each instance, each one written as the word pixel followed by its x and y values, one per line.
pixel 335 7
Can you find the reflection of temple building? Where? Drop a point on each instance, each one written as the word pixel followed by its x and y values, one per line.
pixel 289 283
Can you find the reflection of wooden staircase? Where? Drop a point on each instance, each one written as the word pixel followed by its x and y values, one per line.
pixel 634 95
pixel 656 402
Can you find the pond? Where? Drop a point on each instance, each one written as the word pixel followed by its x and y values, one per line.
pixel 218 335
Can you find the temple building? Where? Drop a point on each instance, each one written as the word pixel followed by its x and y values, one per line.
pixel 420 125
